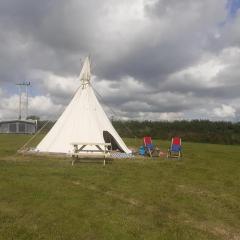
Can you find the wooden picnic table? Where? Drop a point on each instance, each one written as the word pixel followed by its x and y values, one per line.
pixel 79 150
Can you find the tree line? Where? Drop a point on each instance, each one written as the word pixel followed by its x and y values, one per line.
pixel 193 131
pixel 204 131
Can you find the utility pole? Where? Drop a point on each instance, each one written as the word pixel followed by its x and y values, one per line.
pixel 20 85
pixel 20 102
pixel 26 89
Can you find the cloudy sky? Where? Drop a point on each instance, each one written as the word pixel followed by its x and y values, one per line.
pixel 152 59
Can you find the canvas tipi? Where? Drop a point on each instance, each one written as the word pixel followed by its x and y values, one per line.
pixel 83 121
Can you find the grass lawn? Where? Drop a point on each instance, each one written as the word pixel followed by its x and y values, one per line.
pixel 194 198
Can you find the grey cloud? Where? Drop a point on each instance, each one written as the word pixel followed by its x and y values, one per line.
pixel 53 35
pixel 173 42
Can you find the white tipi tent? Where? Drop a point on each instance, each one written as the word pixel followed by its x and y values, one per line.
pixel 83 121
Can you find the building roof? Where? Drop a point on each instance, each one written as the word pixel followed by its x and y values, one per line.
pixel 19 121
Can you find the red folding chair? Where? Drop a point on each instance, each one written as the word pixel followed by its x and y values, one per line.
pixel 175 150
pixel 148 145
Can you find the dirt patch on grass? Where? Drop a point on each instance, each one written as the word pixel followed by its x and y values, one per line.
pixel 220 231
pixel 112 194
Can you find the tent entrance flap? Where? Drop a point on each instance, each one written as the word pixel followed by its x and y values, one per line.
pixel 108 138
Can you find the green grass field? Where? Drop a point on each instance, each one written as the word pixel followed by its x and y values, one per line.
pixel 194 198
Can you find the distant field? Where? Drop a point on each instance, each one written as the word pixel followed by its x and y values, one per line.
pixel 195 198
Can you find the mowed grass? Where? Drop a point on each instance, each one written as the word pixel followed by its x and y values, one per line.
pixel 194 198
